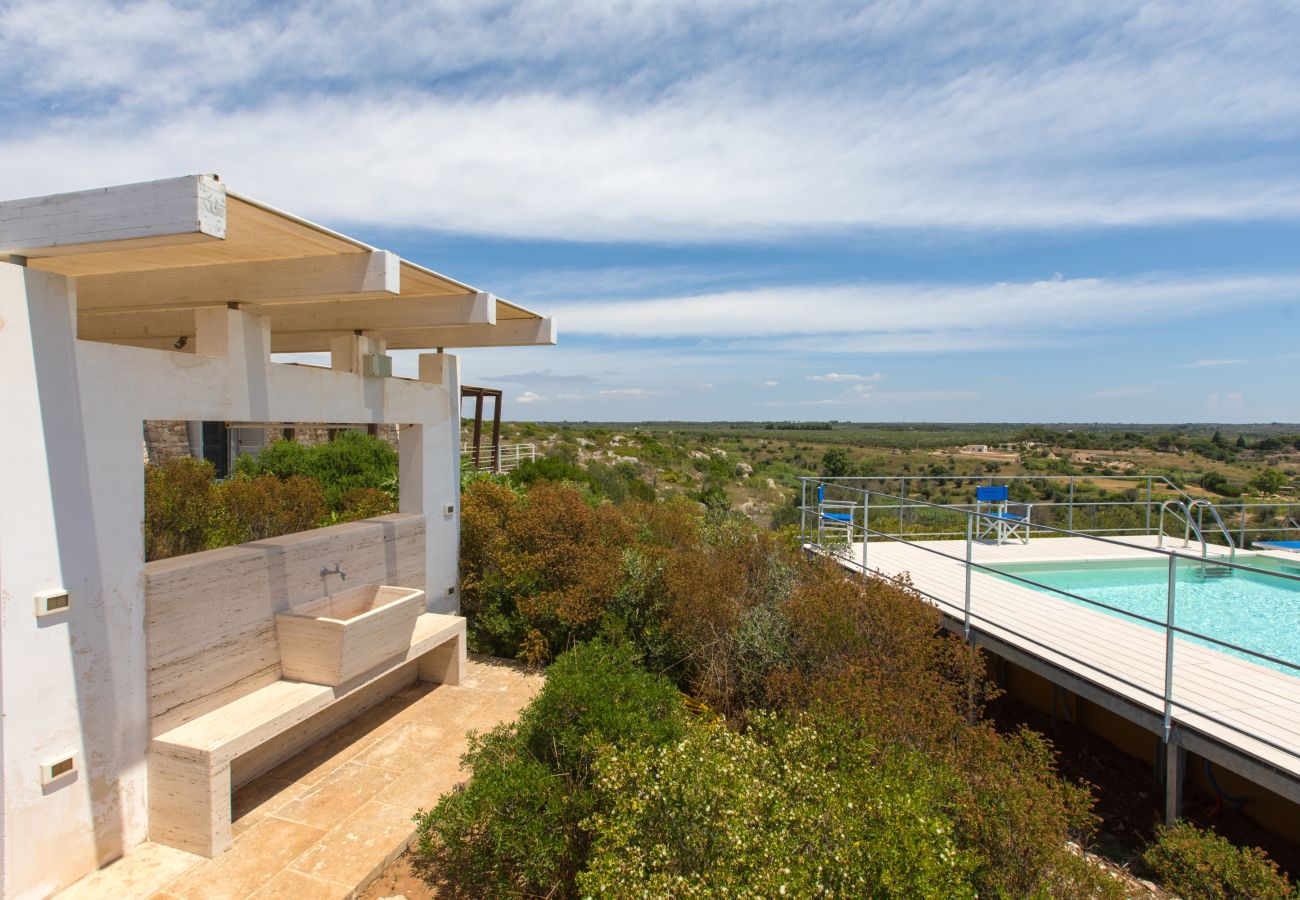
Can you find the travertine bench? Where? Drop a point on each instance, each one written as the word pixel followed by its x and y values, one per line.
pixel 189 766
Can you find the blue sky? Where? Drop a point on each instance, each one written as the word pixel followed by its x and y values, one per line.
pixel 749 210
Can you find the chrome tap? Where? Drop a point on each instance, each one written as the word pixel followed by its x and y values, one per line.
pixel 334 571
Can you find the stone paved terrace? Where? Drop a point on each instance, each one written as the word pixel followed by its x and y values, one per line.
pixel 324 824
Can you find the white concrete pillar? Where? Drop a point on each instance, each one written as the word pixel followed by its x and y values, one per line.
pixel 71 682
pixel 430 479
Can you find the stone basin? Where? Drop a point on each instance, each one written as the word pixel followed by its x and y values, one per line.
pixel 334 639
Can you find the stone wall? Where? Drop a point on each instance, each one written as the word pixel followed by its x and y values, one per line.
pixel 164 441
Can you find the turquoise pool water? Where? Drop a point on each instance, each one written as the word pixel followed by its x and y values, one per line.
pixel 1259 612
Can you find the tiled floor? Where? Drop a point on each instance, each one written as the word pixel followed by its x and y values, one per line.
pixel 326 822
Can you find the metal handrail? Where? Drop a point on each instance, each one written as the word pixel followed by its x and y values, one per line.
pixel 1171 629
pixel 1203 504
pixel 1189 527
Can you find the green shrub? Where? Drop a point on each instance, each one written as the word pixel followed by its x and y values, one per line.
pixel 364 503
pixel 1201 864
pixel 537 571
pixel 548 468
pixel 517 828
pixel 265 506
pixel 181 512
pixel 352 459
pixel 746 623
pixel 781 810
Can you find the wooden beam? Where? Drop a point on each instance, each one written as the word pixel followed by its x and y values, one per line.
pixel 149 214
pixel 377 315
pixel 317 323
pixel 505 333
pixel 171 324
pixel 308 279
pixel 510 333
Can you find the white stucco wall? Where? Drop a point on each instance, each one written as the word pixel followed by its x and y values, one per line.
pixel 71 504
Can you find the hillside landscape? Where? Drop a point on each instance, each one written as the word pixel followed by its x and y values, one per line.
pixel 755 467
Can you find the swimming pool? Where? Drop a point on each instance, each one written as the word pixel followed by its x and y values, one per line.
pixel 1255 611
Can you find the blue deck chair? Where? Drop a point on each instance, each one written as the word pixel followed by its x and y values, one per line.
pixel 834 516
pixel 995 521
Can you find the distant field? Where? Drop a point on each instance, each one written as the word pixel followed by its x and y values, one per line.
pixel 920 435
pixel 755 467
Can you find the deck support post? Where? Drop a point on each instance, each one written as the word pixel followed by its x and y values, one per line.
pixel 1175 769
pixel 970 528
pixel 803 511
pixel 866 528
pixel 1169 648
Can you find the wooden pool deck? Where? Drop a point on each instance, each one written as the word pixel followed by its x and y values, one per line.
pixel 1109 660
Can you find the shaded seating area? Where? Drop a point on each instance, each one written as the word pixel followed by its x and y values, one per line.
pixel 144 693
pixel 995 522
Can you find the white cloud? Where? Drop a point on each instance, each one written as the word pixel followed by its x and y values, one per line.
pixel 1210 363
pixel 545 376
pixel 837 376
pixel 636 393
pixel 1230 402
pixel 923 317
pixel 765 383
pixel 627 124
pixel 1116 392
pixel 529 397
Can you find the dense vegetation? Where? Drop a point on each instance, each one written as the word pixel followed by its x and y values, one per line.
pixel 1197 863
pixel 837 745
pixel 724 716
pixel 286 488
pixel 755 468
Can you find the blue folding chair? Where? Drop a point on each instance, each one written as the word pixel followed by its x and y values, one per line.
pixel 834 516
pixel 995 521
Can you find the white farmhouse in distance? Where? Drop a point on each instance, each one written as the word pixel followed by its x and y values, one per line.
pixel 135 696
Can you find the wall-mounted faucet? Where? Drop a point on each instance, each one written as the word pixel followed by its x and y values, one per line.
pixel 334 571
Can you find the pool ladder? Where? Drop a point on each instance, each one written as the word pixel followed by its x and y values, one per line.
pixel 1195 525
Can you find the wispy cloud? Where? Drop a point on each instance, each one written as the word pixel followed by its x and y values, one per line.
pixel 626 125
pixel 635 393
pixel 1116 392
pixel 1210 363
pixel 1231 402
pixel 839 376
pixel 546 376
pixel 926 316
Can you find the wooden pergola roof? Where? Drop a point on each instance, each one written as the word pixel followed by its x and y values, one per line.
pixel 146 256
